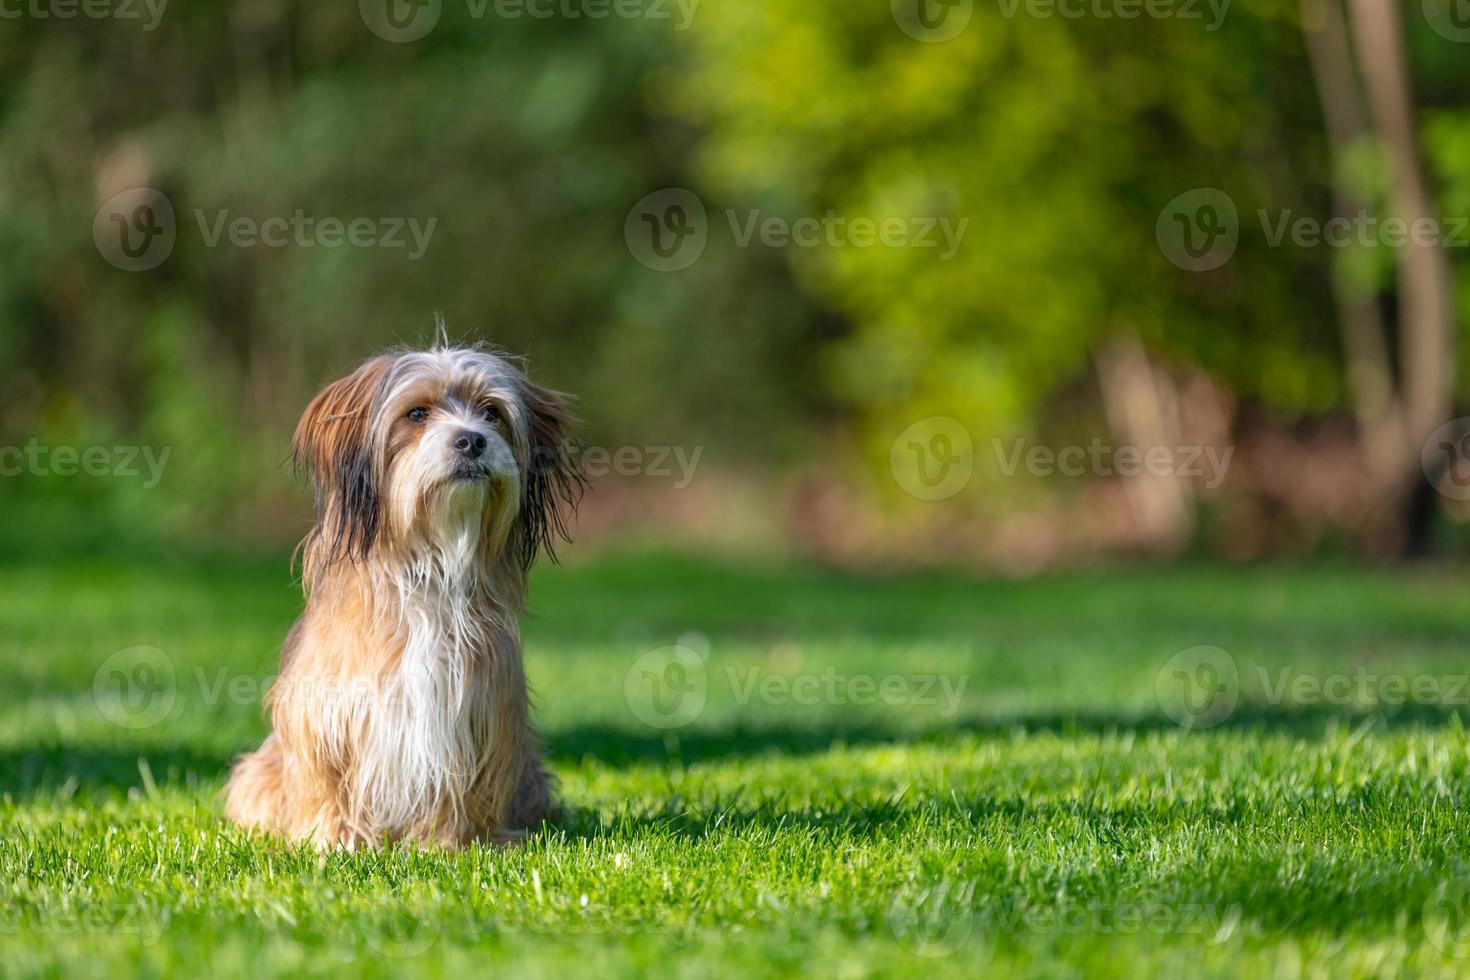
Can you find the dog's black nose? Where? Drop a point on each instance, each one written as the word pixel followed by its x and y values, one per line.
pixel 470 443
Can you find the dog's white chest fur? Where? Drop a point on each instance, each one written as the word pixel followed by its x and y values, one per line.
pixel 427 735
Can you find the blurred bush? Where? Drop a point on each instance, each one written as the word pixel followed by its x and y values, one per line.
pixel 526 141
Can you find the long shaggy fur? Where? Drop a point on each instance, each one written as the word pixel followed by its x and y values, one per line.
pixel 401 711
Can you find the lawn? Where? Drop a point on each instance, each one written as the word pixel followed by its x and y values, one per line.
pixel 781 770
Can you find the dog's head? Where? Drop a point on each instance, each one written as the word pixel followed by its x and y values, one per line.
pixel 448 448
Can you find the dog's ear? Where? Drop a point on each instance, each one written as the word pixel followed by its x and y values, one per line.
pixel 330 449
pixel 554 479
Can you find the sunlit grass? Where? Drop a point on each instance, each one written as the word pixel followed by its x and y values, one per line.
pixel 842 776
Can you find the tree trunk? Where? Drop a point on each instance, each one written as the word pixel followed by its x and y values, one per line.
pixel 1364 334
pixel 1425 286
pixel 1142 410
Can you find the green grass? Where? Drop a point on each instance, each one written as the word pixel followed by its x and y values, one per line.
pixel 1052 818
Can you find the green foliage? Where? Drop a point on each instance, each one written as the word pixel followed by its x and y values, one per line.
pixel 1056 141
pixel 1447 144
pixel 1060 140
pixel 526 141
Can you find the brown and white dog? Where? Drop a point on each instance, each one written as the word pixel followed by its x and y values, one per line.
pixel 401 711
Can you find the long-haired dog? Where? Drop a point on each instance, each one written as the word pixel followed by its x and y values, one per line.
pixel 401 710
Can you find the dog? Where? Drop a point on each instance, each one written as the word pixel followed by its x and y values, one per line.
pixel 401 711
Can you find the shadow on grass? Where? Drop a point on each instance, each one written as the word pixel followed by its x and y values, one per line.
pixel 68 770
pixel 612 745
pixel 1331 888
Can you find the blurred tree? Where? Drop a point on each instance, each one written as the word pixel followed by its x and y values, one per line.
pixel 518 143
pixel 1058 149
pixel 1397 418
pixel 1063 140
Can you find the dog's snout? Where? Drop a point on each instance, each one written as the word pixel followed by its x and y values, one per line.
pixel 470 443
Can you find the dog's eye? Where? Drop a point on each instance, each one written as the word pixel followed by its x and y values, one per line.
pixel 490 413
pixel 418 414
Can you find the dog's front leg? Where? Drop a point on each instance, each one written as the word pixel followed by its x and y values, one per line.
pixel 503 800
